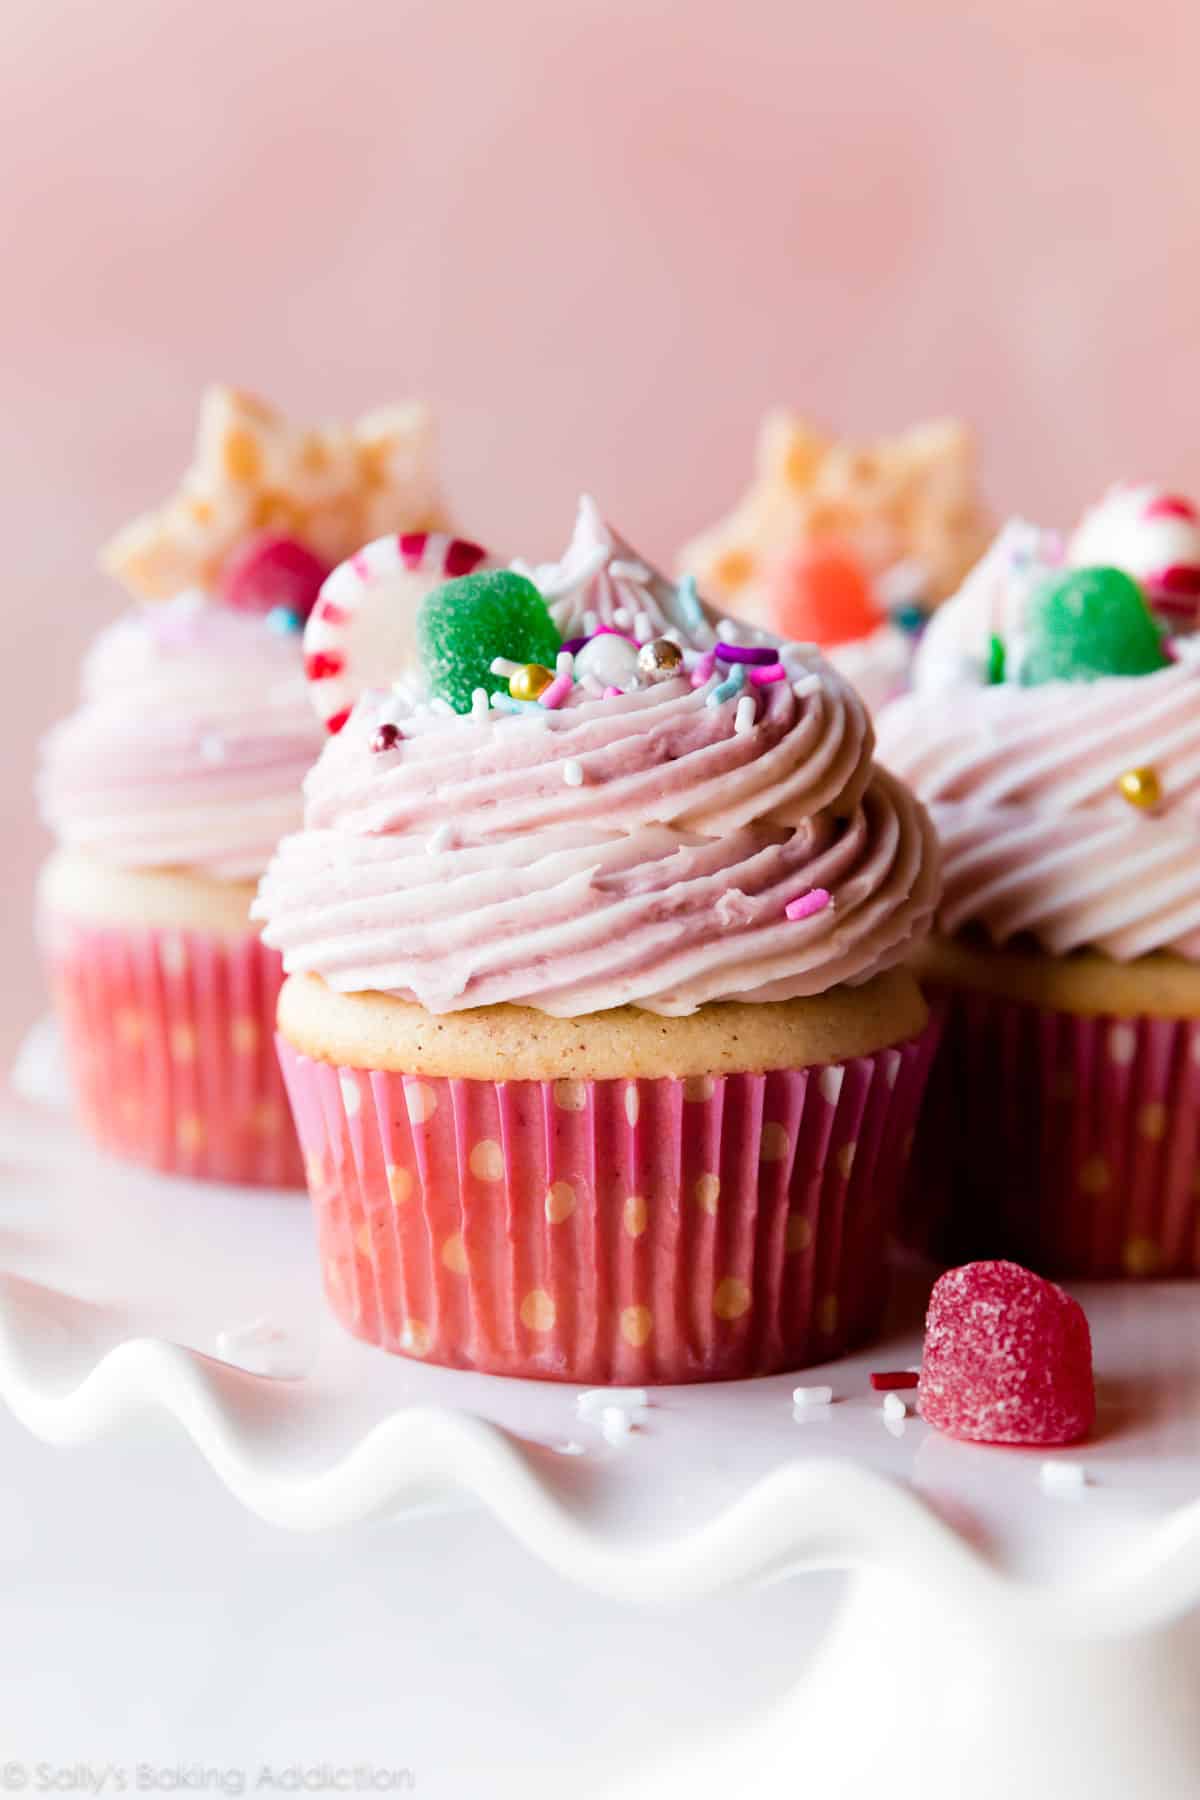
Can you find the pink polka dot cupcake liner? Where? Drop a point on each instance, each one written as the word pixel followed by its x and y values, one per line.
pixel 609 1231
pixel 169 1038
pixel 1067 1143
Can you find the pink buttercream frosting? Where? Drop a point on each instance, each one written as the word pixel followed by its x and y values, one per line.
pixel 189 746
pixel 473 864
pixel 1023 782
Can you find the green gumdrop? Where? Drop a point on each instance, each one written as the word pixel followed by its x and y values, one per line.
pixel 465 623
pixel 1086 623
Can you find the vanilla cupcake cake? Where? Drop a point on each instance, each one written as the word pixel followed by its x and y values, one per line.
pixel 171 784
pixel 596 1032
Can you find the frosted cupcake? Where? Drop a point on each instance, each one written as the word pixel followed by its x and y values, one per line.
pixel 595 1030
pixel 849 546
pixel 1055 735
pixel 169 787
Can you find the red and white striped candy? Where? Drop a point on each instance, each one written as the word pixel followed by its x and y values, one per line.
pixel 1153 535
pixel 360 632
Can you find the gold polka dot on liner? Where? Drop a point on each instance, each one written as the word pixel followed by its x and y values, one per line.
pixel 1152 1121
pixel 454 1254
pixel 707 1192
pixel 189 1132
pixel 774 1143
pixel 634 1215
pixel 538 1311
pixel 1142 1256
pixel 570 1095
pixel 420 1101
pixel 827 1315
pixel 698 1088
pixel 799 1235
pixel 633 1105
pixel 486 1161
pixel 731 1299
pixel 183 1043
pixel 1094 1176
pixel 637 1322
pixel 560 1202
pixel 415 1338
pixel 243 1034
pixel 845 1159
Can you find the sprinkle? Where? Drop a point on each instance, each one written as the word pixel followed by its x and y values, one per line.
pixel 733 684
pixel 621 617
pixel 442 707
pixel 820 1395
pixel 387 737
pixel 659 660
pixel 887 1379
pixel 805 905
pixel 625 570
pixel 480 705
pixel 564 663
pixel 441 839
pixel 556 692
pixel 611 631
pixel 592 1401
pixel 285 620
pixel 746 716
pixel 643 628
pixel 573 773
pixel 894 1407
pixel 732 630
pixel 616 1425
pixel 689 603
pixel 702 673
pixel 570 1448
pixel 590 623
pixel 762 677
pixel 502 665
pixel 807 686
pixel 1142 788
pixel 530 681
pixel 613 693
pixel 574 645
pixel 760 654
pixel 997 658
pixel 1063 1477
pixel 506 703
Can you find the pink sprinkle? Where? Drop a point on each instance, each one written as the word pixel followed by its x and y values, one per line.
pixel 612 631
pixel 554 695
pixel 613 693
pixel 704 668
pixel 774 672
pixel 805 905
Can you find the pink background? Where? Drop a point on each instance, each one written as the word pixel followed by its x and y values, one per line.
pixel 601 235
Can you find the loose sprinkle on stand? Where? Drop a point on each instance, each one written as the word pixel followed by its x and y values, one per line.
pixel 820 1395
pixel 733 684
pixel 884 1381
pixel 894 1407
pixel 1063 1477
pixel 746 716
pixel 804 906
pixel 573 773
pixel 592 1401
pixel 386 738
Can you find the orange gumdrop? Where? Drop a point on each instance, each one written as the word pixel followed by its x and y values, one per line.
pixel 823 595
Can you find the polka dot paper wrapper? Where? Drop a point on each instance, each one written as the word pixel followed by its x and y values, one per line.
pixel 169 1038
pixel 1066 1143
pixel 609 1231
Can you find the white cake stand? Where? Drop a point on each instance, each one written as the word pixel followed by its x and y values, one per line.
pixel 999 1639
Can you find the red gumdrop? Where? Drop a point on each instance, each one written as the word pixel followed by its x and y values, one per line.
pixel 271 569
pixel 1008 1358
pixel 823 595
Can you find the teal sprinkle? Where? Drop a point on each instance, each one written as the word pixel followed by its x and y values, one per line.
pixel 733 684
pixel 689 603
pixel 285 620
pixel 507 703
pixel 996 661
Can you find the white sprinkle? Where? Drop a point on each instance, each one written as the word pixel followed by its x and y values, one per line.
pixel 479 703
pixel 571 1448
pixel 440 840
pixel 501 665
pixel 564 663
pixel 616 1425
pixel 894 1407
pixel 812 1396
pixel 573 773
pixel 621 617
pixel 643 628
pixel 807 685
pixel 731 631
pixel 746 715
pixel 592 1401
pixel 624 570
pixel 590 622
pixel 442 708
pixel 212 747
pixel 591 684
pixel 1063 1477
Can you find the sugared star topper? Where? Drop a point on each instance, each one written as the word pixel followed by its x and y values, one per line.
pixel 908 503
pixel 331 488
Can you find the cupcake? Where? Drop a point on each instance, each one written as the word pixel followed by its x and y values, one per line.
pixel 595 1028
pixel 169 787
pixel 1054 733
pixel 848 546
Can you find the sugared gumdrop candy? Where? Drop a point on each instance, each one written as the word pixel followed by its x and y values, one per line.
pixel 823 595
pixel 270 570
pixel 463 625
pixel 1085 623
pixel 1008 1358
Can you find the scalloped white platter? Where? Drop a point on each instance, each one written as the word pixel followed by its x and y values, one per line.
pixel 121 1290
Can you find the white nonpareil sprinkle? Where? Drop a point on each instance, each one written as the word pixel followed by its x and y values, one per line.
pixel 894 1407
pixel 1063 1477
pixel 592 1402
pixel 479 703
pixel 573 773
pixel 821 1395
pixel 746 715
pixel 502 665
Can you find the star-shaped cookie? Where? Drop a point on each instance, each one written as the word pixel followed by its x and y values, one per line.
pixel 909 500
pixel 334 488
